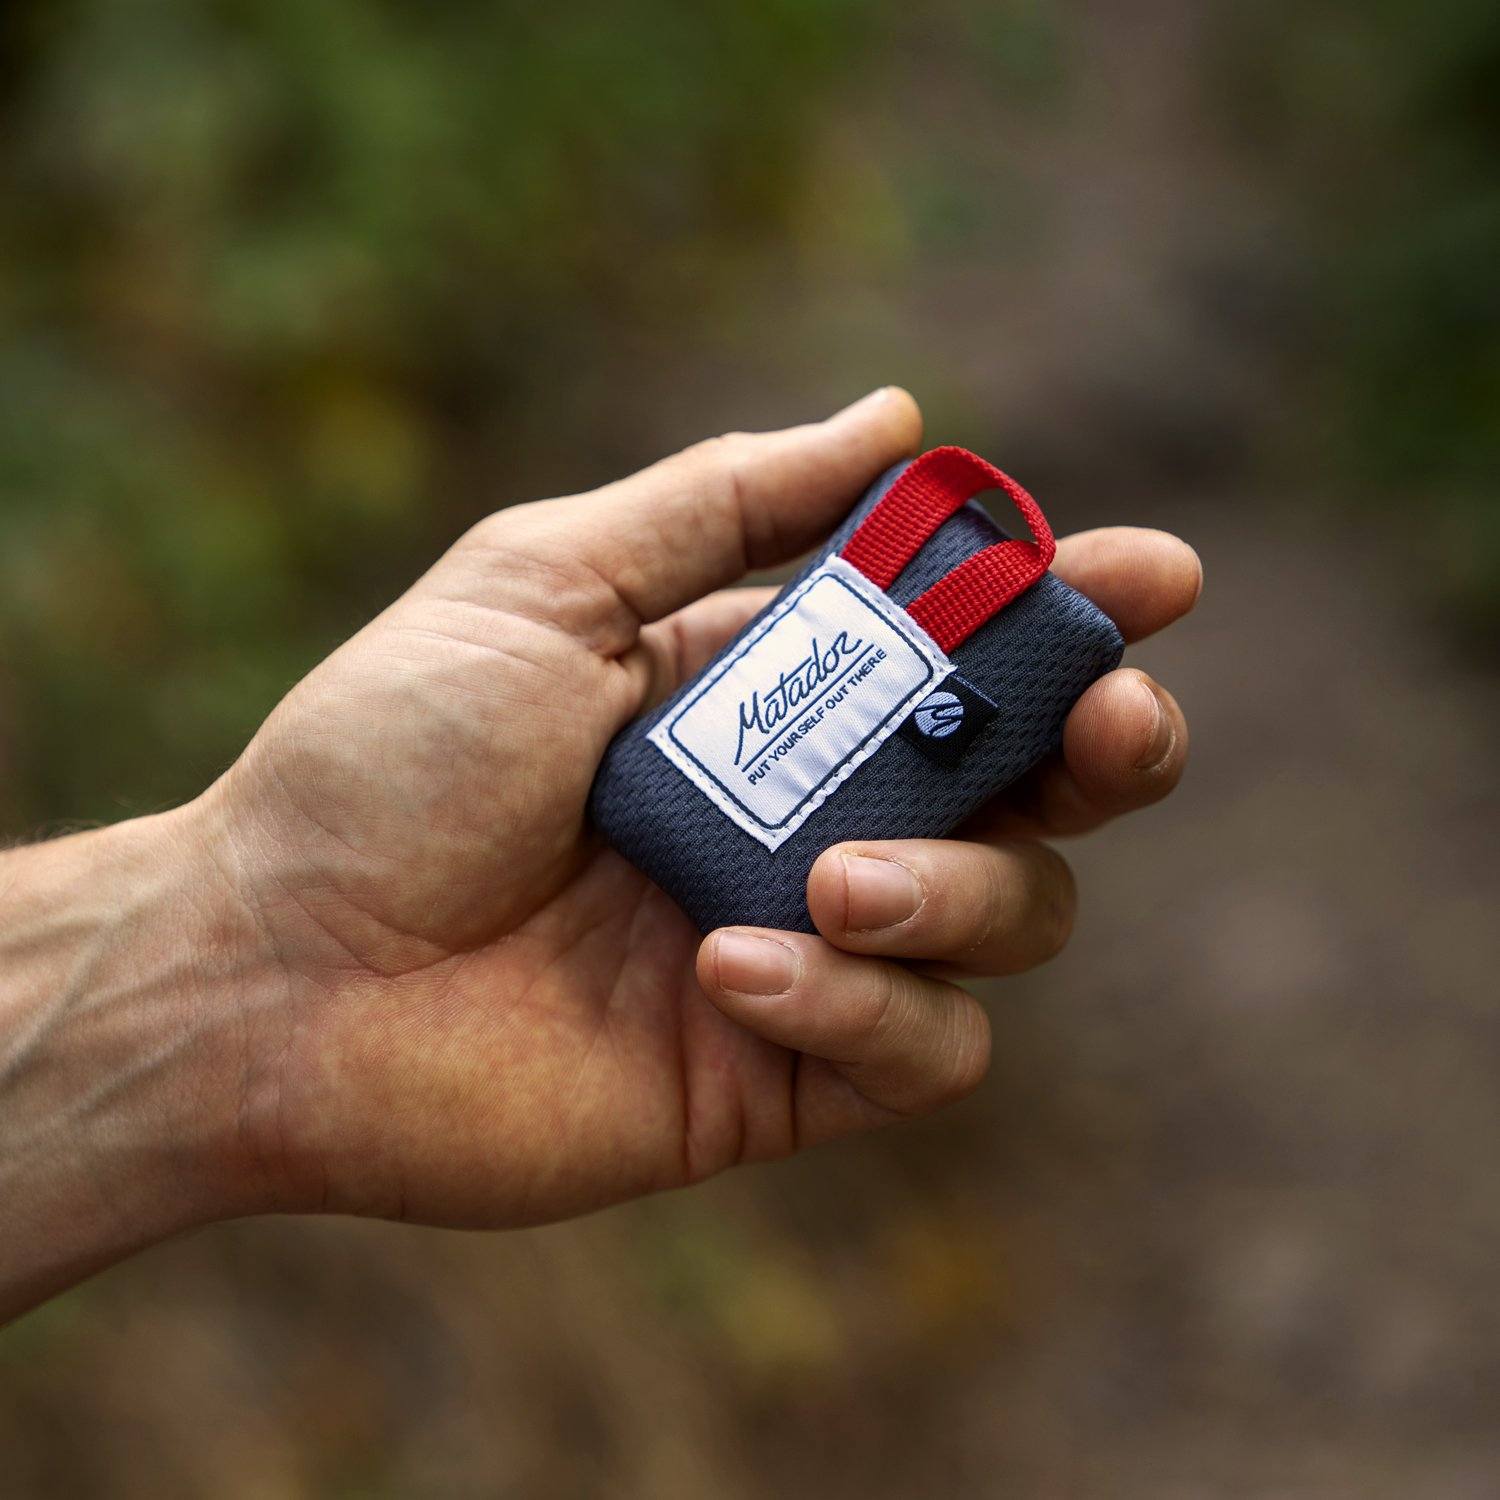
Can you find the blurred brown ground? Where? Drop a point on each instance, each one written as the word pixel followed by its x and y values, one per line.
pixel 1224 1221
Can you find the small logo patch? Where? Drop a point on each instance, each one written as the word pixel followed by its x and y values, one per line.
pixel 948 721
pixel 939 714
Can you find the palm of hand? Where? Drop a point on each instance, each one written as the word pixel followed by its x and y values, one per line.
pixel 483 1016
pixel 434 890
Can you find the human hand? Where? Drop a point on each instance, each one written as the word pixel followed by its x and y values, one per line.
pixel 383 967
pixel 481 1015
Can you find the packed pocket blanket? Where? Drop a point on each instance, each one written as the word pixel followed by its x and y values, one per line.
pixel 918 665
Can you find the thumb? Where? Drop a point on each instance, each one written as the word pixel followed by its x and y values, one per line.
pixel 706 516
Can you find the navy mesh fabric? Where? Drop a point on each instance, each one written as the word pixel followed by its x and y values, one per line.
pixel 1033 659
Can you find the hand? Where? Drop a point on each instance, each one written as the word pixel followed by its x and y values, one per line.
pixel 488 1018
pixel 383 966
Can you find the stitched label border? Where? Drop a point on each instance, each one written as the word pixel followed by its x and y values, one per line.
pixel 778 724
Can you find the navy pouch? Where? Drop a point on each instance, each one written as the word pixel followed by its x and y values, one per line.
pixel 919 664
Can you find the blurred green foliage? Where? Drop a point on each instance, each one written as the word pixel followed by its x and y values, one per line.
pixel 292 290
pixel 1382 118
pixel 287 284
pixel 275 277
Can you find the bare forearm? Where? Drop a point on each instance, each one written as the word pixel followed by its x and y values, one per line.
pixel 119 1054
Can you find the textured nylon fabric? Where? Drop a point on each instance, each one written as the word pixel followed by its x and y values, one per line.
pixel 1033 659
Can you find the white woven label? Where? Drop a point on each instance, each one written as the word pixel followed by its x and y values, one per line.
pixel 774 728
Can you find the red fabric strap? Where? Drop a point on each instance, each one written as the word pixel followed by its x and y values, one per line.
pixel 932 488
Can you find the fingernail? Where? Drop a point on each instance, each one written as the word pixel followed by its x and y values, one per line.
pixel 1159 743
pixel 878 893
pixel 755 965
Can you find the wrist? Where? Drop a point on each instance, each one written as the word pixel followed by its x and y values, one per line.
pixel 130 983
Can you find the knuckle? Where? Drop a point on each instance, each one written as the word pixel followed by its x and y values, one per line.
pixel 491 534
pixel 882 1008
pixel 1025 907
pixel 968 1053
pixel 719 467
pixel 725 451
pixel 1056 902
pixel 987 917
pixel 530 527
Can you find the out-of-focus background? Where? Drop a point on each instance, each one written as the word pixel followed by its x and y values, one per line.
pixel 293 290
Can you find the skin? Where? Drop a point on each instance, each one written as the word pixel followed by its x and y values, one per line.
pixel 383 967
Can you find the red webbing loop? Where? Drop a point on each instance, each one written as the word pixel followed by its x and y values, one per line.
pixel 933 487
